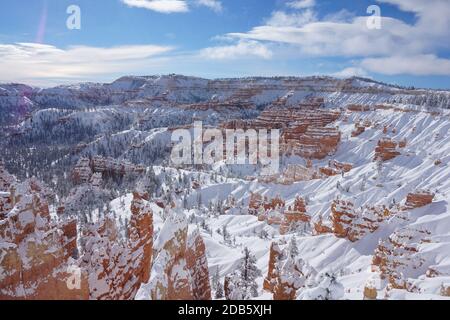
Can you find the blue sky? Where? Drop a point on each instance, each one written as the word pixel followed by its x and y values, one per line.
pixel 225 38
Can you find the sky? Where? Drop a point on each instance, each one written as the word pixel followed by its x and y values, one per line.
pixel 407 44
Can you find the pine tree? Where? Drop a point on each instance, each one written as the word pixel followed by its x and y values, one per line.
pixel 217 285
pixel 249 273
pixel 293 249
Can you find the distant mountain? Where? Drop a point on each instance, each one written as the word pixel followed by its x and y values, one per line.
pixel 17 100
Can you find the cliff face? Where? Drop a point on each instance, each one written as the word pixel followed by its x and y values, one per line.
pixel 40 257
pixel 197 265
pixel 37 254
pixel 354 223
pixel 180 269
pixel 86 167
pixel 287 274
pixel 116 269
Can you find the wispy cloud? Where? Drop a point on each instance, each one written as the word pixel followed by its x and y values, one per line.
pixel 419 65
pixel 162 6
pixel 214 5
pixel 349 37
pixel 173 6
pixel 43 64
pixel 350 72
pixel 301 4
pixel 243 49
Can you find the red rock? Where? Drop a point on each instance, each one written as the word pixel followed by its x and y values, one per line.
pixel 358 108
pixel 294 216
pixel 34 257
pixel 397 255
pixel 352 223
pixel 274 257
pixel 197 264
pixel 117 270
pixel 418 199
pixel 86 167
pixel 386 150
pixel 320 228
pixel 170 277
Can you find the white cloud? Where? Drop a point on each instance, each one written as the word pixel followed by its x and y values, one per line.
pixel 173 6
pixel 342 35
pixel 298 19
pixel 214 5
pixel 425 64
pixel 350 72
pixel 46 64
pixel 243 49
pixel 163 6
pixel 301 4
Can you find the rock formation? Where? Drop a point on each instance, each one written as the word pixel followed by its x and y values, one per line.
pixel 397 256
pixel 418 199
pixel 116 270
pixel 295 216
pixel 286 273
pixel 40 257
pixel 198 266
pixel 179 270
pixel 386 150
pixel 37 254
pixel 86 167
pixel 352 223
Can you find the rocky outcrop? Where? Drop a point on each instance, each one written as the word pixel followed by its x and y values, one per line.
pixel 197 265
pixel 321 228
pixel 275 255
pixel 314 143
pixel 353 224
pixel 259 204
pixel 286 273
pixel 37 254
pixel 117 269
pixel 177 266
pixel 396 257
pixel 304 130
pixel 359 129
pixel 40 257
pixel 86 167
pixel 294 216
pixel 386 150
pixel 418 199
pixel 358 108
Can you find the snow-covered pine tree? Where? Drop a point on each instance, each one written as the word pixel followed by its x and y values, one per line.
pixel 293 249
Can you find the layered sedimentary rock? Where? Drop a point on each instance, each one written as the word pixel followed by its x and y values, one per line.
pixel 117 269
pixel 418 199
pixel 358 108
pixel 397 256
pixel 197 265
pixel 179 262
pixel 259 203
pixel 86 167
pixel 275 255
pixel 286 273
pixel 321 228
pixel 291 174
pixel 294 216
pixel 359 129
pixel 353 224
pixel 314 143
pixel 40 257
pixel 386 150
pixel 36 253
pixel 304 130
